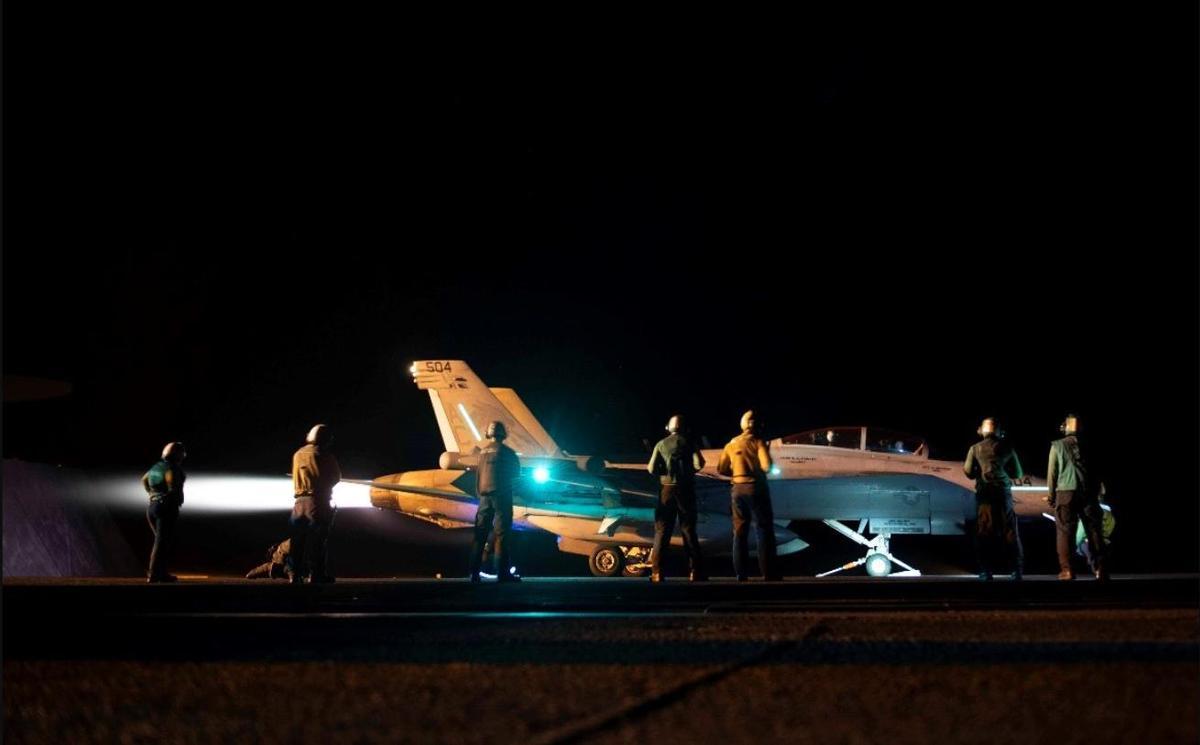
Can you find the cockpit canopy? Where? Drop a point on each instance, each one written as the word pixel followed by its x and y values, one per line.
pixel 872 439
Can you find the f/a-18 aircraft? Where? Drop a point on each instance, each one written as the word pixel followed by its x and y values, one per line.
pixel 883 481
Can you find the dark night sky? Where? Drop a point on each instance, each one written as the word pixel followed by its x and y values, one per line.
pixel 223 229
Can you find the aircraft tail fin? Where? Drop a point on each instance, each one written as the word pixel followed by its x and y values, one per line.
pixel 511 401
pixel 464 406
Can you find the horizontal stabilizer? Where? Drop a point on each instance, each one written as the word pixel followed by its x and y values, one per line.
pixel 422 490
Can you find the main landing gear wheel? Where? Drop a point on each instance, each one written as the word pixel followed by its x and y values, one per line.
pixel 606 561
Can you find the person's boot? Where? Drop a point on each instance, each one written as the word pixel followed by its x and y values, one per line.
pixel 1066 574
pixel 475 578
pixel 1017 575
pixel 986 576
pixel 656 577
pixel 697 576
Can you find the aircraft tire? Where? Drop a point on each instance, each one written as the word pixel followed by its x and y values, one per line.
pixel 606 561
pixel 878 565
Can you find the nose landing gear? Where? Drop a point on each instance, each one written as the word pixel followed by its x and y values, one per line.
pixel 878 559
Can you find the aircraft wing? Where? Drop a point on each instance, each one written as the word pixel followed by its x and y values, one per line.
pixel 468 499
pixel 422 490
pixel 639 494
pixel 609 483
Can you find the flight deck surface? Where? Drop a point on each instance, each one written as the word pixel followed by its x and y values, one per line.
pixel 603 660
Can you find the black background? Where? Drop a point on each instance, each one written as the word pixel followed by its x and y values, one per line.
pixel 222 227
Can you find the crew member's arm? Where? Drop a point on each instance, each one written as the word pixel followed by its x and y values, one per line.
pixel 1017 472
pixel 146 482
pixel 764 457
pixel 655 459
pixel 969 463
pixel 327 473
pixel 174 484
pixel 298 476
pixel 697 460
pixel 724 466
pixel 1052 474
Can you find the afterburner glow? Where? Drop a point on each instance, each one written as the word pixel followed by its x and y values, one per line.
pixel 234 493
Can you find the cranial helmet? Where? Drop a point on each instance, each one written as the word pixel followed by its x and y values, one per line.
pixel 748 422
pixel 675 424
pixel 1070 425
pixel 496 431
pixel 174 452
pixel 987 427
pixel 319 435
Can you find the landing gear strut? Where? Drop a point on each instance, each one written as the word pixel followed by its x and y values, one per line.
pixel 879 558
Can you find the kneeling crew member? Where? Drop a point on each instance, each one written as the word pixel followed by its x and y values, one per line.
pixel 747 460
pixel 994 465
pixel 499 469
pixel 675 461
pixel 276 564
pixel 164 483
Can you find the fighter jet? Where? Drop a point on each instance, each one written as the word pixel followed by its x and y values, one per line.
pixel 883 481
